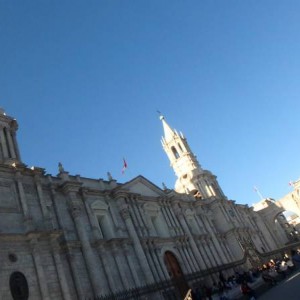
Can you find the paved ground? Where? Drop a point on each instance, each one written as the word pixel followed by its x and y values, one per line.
pixel 288 289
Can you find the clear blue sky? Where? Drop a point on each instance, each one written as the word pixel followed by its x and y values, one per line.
pixel 84 80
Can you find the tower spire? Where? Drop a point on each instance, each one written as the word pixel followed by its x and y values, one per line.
pixel 168 131
pixel 191 178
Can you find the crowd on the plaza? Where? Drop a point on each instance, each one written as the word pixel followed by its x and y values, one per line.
pixel 271 273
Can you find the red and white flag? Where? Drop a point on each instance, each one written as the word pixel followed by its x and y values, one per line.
pixel 124 166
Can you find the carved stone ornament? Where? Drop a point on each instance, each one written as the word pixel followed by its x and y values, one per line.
pixel 76 211
pixel 125 213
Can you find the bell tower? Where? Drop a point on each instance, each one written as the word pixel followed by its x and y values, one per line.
pixel 191 178
pixel 9 150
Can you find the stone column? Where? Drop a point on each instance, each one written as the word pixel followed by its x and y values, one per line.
pixel 60 271
pixel 191 239
pixel 190 257
pixel 203 254
pixel 178 229
pixel 88 254
pixel 57 216
pixel 219 250
pixel 137 245
pixel 41 197
pixel 215 252
pixel 120 266
pixel 164 207
pixel 27 217
pixel 3 142
pixel 160 263
pixel 10 143
pixel 132 266
pixel 107 267
pixel 216 243
pixel 22 195
pixel 227 252
pixel 42 279
pixel 185 260
pixel 17 151
pixel 48 224
pixel 208 254
pixel 157 264
pixel 76 276
pixel 211 252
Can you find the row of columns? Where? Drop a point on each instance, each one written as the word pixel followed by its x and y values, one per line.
pixel 54 248
pixel 37 253
pixel 37 256
pixel 9 145
pixel 107 269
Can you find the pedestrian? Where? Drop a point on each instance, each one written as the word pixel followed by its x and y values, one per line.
pixel 208 292
pixel 247 290
pixel 295 259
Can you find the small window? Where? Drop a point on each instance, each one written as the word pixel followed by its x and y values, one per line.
pixel 180 148
pixel 175 152
pixel 18 286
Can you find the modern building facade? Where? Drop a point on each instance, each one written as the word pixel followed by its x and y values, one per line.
pixel 69 237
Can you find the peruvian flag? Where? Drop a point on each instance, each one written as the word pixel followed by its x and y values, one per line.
pixel 124 166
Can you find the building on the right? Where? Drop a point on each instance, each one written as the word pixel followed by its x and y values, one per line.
pixel 283 215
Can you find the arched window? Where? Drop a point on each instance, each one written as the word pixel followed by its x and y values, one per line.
pixel 18 286
pixel 175 152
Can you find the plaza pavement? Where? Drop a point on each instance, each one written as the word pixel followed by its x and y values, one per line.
pixel 287 289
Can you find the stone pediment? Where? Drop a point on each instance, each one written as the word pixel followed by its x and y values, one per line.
pixel 140 185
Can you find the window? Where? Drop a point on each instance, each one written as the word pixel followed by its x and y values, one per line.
pixel 105 226
pixel 175 152
pixel 18 286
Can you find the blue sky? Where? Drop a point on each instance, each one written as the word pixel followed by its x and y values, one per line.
pixel 84 80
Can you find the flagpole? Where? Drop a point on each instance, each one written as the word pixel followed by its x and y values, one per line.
pixel 258 193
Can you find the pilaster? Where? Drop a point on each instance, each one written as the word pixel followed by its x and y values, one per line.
pixel 42 280
pixel 125 213
pixel 60 271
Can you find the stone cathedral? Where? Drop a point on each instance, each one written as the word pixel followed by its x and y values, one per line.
pixel 68 237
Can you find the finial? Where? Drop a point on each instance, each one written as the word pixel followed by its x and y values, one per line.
pixel 164 186
pixel 110 178
pixel 161 117
pixel 61 168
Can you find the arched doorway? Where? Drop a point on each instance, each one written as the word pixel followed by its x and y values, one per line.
pixel 176 273
pixel 18 286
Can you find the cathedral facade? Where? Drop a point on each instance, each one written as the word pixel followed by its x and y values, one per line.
pixel 67 237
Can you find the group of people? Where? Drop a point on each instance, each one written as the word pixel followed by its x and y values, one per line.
pixel 280 268
pixel 270 272
pixel 222 286
pixel 274 270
